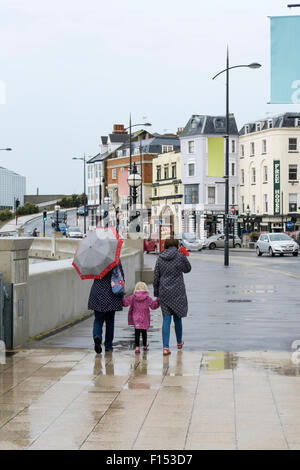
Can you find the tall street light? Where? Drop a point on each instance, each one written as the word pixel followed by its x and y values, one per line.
pixel 134 181
pixel 254 65
pixel 144 124
pixel 84 186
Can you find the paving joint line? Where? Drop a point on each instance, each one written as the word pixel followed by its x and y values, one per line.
pixel 194 401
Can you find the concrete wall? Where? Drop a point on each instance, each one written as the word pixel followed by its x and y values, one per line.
pixel 57 295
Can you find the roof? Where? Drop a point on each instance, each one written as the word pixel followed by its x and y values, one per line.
pixel 206 125
pixel 104 139
pixel 280 120
pixel 11 171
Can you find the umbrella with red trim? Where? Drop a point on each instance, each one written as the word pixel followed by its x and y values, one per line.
pixel 98 253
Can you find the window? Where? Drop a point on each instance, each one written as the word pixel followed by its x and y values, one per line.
pixel 191 194
pixel 253 176
pixel 242 176
pixel 264 146
pixel 242 150
pixel 211 195
pixel 292 172
pixel 176 189
pixel 191 169
pixel 232 169
pixel 297 122
pixel 158 172
pixel 257 127
pixel 125 152
pixel 90 171
pixel 247 129
pixel 114 173
pixel 233 195
pixel 233 146
pixel 243 204
pixel 293 202
pixel 253 204
pixel 174 172
pixel 155 192
pixel 191 146
pixel 252 149
pixel 167 148
pixel 166 172
pixel 270 124
pixel 266 208
pixel 293 145
pixel 265 174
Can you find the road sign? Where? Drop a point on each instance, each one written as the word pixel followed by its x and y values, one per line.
pixel 289 225
pixel 232 210
pixel 231 216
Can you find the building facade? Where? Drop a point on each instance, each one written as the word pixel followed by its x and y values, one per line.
pixel 167 192
pixel 203 168
pixel 269 174
pixel 12 187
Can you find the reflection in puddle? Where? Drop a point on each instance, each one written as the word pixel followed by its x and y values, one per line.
pixel 217 361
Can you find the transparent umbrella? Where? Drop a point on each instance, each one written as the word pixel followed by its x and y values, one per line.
pixel 98 253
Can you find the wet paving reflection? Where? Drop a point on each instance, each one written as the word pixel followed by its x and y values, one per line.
pixel 74 399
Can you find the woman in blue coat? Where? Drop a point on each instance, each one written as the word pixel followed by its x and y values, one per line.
pixel 104 303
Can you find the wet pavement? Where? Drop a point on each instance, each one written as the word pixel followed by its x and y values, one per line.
pixel 235 385
pixel 253 305
pixel 73 399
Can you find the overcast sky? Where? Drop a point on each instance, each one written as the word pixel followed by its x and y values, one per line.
pixel 74 68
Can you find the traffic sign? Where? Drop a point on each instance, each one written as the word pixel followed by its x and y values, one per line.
pixel 289 225
pixel 232 210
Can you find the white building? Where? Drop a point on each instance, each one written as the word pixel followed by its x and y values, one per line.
pixel 269 173
pixel 202 146
pixel 12 187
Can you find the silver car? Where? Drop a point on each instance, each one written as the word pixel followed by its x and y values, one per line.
pixel 218 241
pixel 74 232
pixel 191 242
pixel 276 244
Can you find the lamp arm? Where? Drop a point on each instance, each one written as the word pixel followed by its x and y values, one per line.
pixel 229 68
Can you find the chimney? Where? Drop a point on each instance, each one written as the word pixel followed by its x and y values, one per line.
pixel 119 129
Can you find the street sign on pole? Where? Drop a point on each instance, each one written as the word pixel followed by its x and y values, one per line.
pixel 232 210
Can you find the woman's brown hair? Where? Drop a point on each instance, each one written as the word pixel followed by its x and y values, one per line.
pixel 171 242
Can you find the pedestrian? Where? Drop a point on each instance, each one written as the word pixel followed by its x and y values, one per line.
pixel 139 313
pixel 104 303
pixel 170 289
pixel 35 232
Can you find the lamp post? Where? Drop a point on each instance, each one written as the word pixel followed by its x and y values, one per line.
pixel 84 186
pixel 107 201
pixel 102 181
pixel 134 181
pixel 254 65
pixel 144 124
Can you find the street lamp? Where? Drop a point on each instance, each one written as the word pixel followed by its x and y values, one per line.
pixel 144 124
pixel 134 181
pixel 253 65
pixel 84 186
pixel 8 149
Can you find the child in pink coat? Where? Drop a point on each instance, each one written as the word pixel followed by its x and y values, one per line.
pixel 139 314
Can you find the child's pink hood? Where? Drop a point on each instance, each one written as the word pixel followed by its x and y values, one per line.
pixel 141 295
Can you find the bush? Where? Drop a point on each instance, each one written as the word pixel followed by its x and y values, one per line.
pixel 28 209
pixel 5 215
pixel 71 201
pixel 254 236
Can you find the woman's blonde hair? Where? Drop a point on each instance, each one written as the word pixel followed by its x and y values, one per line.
pixel 140 286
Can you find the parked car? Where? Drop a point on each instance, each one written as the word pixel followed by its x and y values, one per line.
pixel 218 241
pixel 63 229
pixel 80 210
pixel 74 232
pixel 152 244
pixel 190 241
pixel 276 244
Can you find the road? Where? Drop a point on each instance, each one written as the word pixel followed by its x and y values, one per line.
pixel 38 223
pixel 251 305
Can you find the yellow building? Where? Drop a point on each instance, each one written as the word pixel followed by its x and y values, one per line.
pixel 166 208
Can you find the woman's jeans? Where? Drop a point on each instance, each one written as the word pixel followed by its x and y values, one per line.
pixel 166 329
pixel 109 319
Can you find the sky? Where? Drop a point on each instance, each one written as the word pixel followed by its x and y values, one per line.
pixel 70 69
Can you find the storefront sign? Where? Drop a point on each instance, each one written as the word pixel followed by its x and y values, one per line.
pixel 276 187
